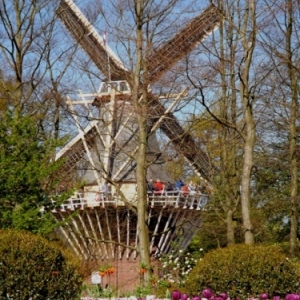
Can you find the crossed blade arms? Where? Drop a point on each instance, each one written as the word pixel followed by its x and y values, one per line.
pixel 160 62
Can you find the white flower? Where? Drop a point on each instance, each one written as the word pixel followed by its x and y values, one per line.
pixel 201 249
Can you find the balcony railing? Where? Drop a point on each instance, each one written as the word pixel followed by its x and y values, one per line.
pixel 177 199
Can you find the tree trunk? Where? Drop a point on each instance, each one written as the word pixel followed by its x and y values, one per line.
pixel 247 98
pixel 141 111
pixel 228 134
pixel 293 131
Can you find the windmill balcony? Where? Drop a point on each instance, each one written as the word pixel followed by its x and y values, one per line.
pixel 176 199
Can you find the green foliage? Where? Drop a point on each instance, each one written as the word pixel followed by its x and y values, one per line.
pixel 95 291
pixel 92 291
pixel 33 268
pixel 245 271
pixel 142 291
pixel 26 174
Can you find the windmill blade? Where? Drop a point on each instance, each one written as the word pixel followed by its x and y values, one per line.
pixel 91 42
pixel 183 42
pixel 182 140
pixel 74 151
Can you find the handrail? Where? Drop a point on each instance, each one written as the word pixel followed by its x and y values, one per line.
pixel 177 199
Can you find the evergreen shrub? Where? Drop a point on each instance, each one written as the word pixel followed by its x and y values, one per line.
pixel 33 268
pixel 245 271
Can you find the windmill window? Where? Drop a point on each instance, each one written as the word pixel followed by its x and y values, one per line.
pixel 104 87
pixel 124 86
pixel 119 86
pixel 114 85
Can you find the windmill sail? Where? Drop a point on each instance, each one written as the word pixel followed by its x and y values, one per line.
pixel 183 42
pixel 89 39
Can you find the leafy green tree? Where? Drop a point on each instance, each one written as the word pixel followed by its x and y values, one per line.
pixel 26 175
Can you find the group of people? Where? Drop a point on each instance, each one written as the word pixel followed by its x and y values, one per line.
pixel 158 188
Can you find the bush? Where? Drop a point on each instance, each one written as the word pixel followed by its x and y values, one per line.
pixel 33 268
pixel 245 271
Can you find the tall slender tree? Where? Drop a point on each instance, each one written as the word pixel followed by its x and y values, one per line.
pixel 293 76
pixel 281 45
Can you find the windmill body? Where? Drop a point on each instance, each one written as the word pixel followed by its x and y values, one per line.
pixel 107 147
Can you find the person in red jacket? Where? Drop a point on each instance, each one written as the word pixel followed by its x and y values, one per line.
pixel 158 187
pixel 185 190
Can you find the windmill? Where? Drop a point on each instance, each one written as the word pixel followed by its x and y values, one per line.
pixel 109 219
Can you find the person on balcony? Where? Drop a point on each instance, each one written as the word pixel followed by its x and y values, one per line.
pixel 169 188
pixel 192 188
pixel 150 186
pixel 179 184
pixel 185 190
pixel 106 189
pixel 158 187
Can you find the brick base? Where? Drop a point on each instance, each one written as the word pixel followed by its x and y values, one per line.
pixel 126 276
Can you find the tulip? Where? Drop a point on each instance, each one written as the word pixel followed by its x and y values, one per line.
pixel 276 298
pixel 176 295
pixel 264 296
pixel 223 296
pixel 184 297
pixel 196 298
pixel 207 293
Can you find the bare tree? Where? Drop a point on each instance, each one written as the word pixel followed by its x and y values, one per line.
pixel 281 45
pixel 31 53
pixel 293 76
pixel 236 77
pixel 141 109
pixel 248 39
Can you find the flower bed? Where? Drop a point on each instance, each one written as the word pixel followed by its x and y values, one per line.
pixel 206 294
